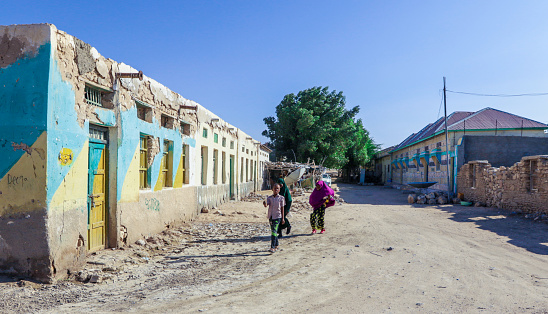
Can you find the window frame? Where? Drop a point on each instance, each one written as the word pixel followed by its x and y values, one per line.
pixel 144 170
pixel 93 96
pixel 166 165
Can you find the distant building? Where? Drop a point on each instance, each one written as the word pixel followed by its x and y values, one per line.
pixel 95 155
pixel 489 134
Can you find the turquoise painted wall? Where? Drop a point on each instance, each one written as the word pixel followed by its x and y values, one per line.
pixel 23 103
pixel 63 128
pixel 132 127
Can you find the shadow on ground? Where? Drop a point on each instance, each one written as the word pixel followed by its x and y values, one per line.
pixel 258 239
pixel 522 232
pixel 371 195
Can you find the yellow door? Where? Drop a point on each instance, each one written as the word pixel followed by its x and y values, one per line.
pixel 97 204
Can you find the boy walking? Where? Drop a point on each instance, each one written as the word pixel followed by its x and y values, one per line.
pixel 275 215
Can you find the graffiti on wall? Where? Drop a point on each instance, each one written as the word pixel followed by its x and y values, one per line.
pixel 65 156
pixel 17 181
pixel 152 204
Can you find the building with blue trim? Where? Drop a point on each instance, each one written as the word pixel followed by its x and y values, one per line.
pixel 489 134
pixel 97 155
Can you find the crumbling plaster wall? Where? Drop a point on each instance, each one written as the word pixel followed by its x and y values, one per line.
pixel 81 65
pixel 157 210
pixel 24 64
pixel 49 70
pixel 507 187
pixel 78 64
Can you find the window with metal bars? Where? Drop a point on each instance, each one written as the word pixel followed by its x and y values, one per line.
pixel 93 96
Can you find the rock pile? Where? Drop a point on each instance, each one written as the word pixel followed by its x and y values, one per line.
pixel 254 197
pixel 431 198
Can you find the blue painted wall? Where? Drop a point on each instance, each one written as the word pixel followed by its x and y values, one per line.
pixel 23 103
pixel 63 128
pixel 132 128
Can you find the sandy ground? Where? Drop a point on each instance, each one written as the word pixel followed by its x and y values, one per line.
pixel 379 254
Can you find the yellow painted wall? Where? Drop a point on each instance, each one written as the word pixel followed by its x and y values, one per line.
pixel 130 188
pixel 23 187
pixel 74 185
pixel 178 181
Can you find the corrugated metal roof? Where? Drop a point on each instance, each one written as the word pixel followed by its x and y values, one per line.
pixel 384 152
pixel 490 118
pixel 484 119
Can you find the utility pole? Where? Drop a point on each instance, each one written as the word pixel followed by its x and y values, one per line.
pixel 446 141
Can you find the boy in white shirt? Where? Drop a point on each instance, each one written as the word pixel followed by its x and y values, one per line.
pixel 275 214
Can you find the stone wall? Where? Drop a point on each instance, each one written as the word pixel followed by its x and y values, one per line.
pixel 522 187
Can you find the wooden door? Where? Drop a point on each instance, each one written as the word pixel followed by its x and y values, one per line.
pixel 231 177
pixel 97 204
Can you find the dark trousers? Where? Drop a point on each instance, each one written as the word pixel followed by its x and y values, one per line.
pixel 274 225
pixel 286 224
pixel 317 218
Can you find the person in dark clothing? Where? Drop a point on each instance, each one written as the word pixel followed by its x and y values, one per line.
pixel 284 191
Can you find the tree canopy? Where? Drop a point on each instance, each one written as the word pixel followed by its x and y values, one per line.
pixel 315 124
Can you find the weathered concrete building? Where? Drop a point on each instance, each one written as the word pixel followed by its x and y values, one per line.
pixel 488 134
pixel 96 155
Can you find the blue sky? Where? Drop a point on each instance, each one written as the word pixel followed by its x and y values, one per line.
pixel 239 58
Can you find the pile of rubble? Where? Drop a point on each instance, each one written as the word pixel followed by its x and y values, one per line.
pixel 253 197
pixel 299 195
pixel 431 198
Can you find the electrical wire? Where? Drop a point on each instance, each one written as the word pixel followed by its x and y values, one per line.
pixel 498 95
pixel 441 103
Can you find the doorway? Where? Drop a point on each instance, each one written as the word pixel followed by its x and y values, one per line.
pixel 97 189
pixel 231 177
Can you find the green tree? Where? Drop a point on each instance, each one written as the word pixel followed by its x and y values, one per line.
pixel 315 124
pixel 361 150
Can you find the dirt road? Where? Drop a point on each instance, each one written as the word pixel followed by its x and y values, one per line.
pixel 379 254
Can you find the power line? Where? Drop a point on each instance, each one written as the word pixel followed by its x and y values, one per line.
pixel 441 104
pixel 498 95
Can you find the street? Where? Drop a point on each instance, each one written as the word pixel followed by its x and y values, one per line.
pixel 379 254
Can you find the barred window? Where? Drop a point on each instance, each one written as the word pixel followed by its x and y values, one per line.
pixel 93 96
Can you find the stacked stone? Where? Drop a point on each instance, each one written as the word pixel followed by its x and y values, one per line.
pixel 431 198
pixel 512 188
